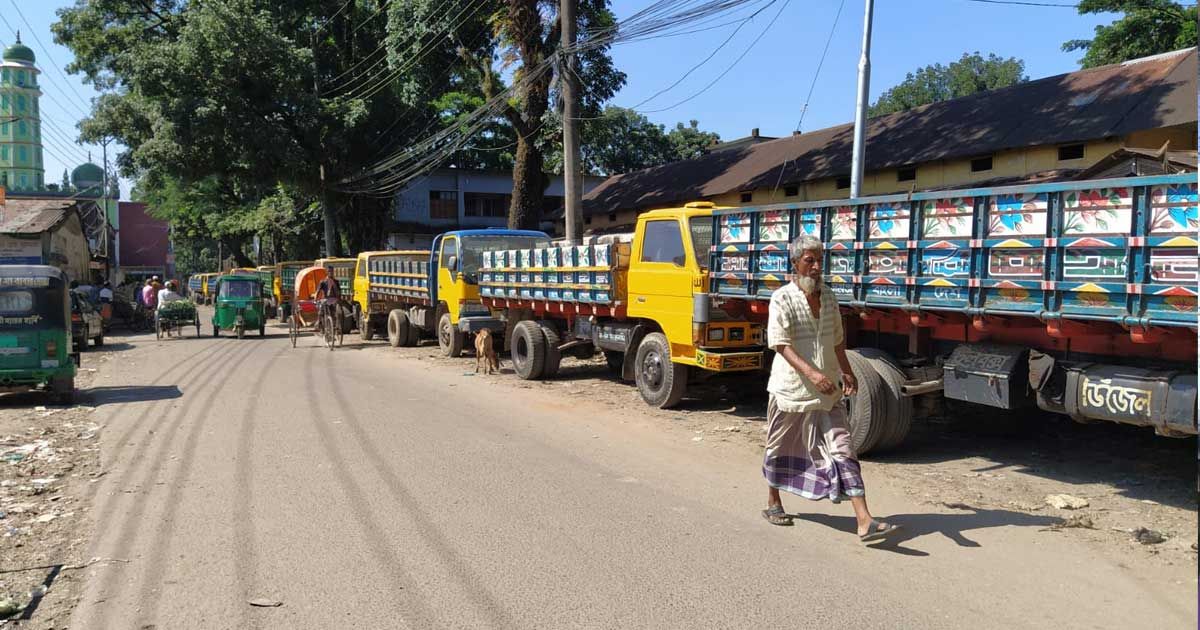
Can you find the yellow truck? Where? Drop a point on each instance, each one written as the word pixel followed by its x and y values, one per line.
pixel 410 294
pixel 644 303
pixel 285 282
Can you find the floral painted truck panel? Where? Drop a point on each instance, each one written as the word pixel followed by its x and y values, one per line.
pixel 1120 250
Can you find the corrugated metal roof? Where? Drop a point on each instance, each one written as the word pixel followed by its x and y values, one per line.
pixel 32 216
pixel 1090 104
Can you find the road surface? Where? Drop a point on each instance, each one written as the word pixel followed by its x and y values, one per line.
pixel 361 489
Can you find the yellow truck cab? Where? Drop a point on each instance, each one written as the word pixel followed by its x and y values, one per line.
pixel 643 301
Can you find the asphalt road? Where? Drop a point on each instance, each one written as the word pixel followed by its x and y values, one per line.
pixel 361 490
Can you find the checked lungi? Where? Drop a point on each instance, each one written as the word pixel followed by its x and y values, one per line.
pixel 809 454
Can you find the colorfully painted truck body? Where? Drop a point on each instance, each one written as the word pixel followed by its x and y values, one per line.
pixel 1083 293
pixel 416 293
pixel 284 281
pixel 644 303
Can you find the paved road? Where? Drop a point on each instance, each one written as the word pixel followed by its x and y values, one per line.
pixel 363 490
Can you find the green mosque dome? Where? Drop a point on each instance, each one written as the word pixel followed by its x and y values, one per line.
pixel 19 52
pixel 87 175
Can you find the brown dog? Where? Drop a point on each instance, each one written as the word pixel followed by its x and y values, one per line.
pixel 485 352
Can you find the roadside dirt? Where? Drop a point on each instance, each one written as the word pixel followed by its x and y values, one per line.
pixel 49 459
pixel 1138 487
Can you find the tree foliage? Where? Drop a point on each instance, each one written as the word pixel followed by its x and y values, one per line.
pixel 934 83
pixel 1148 27
pixel 621 140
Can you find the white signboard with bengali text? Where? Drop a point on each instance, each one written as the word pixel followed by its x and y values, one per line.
pixel 20 251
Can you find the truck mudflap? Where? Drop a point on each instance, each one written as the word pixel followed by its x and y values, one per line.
pixel 476 323
pixel 729 361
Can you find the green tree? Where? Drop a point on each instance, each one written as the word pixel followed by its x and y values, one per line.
pixel 689 141
pixel 934 83
pixel 1148 27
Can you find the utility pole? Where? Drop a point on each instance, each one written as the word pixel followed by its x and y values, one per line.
pixel 572 175
pixel 860 109
pixel 327 210
pixel 114 255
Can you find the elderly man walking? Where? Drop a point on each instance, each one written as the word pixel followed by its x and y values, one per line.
pixel 808 449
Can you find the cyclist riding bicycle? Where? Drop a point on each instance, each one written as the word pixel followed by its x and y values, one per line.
pixel 329 294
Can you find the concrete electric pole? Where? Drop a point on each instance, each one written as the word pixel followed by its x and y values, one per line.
pixel 572 173
pixel 860 110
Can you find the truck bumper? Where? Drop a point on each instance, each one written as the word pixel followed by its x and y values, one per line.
pixel 474 324
pixel 729 361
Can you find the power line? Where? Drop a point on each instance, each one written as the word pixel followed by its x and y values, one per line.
pixel 817 74
pixel 335 14
pixel 381 61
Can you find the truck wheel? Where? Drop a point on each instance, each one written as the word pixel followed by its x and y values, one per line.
pixel 63 389
pixel 866 408
pixel 398 328
pixel 660 382
pixel 615 361
pixel 99 339
pixel 449 339
pixel 528 350
pixel 553 356
pixel 899 414
pixel 364 328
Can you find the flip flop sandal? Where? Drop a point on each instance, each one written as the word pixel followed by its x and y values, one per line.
pixel 776 516
pixel 878 531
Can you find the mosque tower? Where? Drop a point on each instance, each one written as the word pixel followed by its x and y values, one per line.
pixel 21 166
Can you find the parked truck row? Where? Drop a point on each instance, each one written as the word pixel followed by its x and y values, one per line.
pixel 1074 297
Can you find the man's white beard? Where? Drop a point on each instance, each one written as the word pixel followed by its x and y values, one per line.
pixel 807 284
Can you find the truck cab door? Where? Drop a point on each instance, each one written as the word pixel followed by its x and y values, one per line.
pixel 660 281
pixel 448 290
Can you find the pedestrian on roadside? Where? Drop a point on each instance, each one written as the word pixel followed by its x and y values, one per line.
pixel 808 450
pixel 149 295
pixel 106 293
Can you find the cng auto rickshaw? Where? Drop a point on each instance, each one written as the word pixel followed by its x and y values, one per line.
pixel 238 305
pixel 35 331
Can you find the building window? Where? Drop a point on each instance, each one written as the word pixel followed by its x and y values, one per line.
pixel 24 181
pixel 907 174
pixel 37 130
pixel 4 153
pixel 37 153
pixel 1070 152
pixel 22 155
pixel 4 103
pixel 981 164
pixel 485 205
pixel 443 204
pixel 843 183
pixel 20 103
pixel 663 243
pixel 5 76
pixel 791 191
pixel 747 196
pixel 22 128
pixel 21 77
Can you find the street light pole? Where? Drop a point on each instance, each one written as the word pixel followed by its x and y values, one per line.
pixel 860 109
pixel 572 186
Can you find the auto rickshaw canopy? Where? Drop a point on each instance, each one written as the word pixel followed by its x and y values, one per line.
pixel 307 281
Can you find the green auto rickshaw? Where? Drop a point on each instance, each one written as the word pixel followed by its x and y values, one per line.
pixel 238 305
pixel 35 331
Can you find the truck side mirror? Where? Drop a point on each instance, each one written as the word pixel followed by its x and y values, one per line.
pixel 452 262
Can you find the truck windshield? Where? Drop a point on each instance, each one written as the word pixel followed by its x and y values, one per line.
pixel 474 246
pixel 702 238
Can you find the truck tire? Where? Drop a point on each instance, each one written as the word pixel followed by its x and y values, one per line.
pixel 866 408
pixel 528 350
pixel 63 390
pixel 661 382
pixel 366 331
pixel 449 339
pixel 553 356
pixel 899 415
pixel 98 340
pixel 398 328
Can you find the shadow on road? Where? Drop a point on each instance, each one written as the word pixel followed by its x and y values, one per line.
pixel 130 393
pixel 951 526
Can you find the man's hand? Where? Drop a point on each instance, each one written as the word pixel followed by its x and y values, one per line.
pixel 823 384
pixel 849 383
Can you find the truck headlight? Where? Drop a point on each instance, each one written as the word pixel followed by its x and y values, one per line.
pixel 716 334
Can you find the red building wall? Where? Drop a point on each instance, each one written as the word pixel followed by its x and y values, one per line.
pixel 145 241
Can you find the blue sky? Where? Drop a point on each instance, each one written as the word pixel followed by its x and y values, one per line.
pixel 766 89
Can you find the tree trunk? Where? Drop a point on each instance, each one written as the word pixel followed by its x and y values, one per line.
pixel 529 187
pixel 235 250
pixel 332 246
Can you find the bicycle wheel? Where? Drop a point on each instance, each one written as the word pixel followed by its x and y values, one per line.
pixel 328 323
pixel 337 330
pixel 292 332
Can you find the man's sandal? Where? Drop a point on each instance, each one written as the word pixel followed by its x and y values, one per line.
pixel 878 531
pixel 776 516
